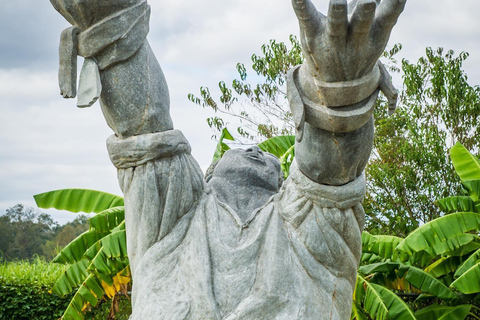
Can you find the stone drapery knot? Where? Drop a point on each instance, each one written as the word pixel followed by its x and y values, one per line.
pixel 138 150
pixel 107 42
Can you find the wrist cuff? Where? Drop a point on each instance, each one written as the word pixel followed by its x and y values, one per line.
pixel 345 93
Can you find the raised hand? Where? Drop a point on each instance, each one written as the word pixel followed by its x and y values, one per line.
pixel 341 48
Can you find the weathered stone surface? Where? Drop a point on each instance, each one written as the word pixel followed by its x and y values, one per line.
pixel 242 245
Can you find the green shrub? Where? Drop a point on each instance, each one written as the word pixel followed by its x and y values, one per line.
pixel 24 290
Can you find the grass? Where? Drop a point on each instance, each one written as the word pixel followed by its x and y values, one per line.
pixel 37 273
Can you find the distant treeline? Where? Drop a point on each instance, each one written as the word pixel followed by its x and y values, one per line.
pixel 26 232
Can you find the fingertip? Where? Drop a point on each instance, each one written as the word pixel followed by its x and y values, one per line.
pixel 367 5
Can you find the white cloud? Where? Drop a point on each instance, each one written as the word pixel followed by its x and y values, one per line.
pixel 47 143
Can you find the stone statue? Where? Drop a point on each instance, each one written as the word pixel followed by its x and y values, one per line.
pixel 241 243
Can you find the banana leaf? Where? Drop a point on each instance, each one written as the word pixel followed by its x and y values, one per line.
pixel 78 200
pixel 381 303
pixel 426 283
pixel 441 235
pixel 466 164
pixel 438 312
pixel 90 292
pixel 357 312
pixel 456 204
pixel 381 245
pixel 383 267
pixel 468 282
pixel 470 262
pixel 371 258
pixel 222 147
pixel 443 266
pixel 76 249
pixel 283 147
pixel 473 187
pixel 467 248
pixel 71 278
pixel 107 219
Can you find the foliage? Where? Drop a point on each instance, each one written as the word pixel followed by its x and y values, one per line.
pixel 24 290
pixel 260 109
pixel 435 268
pixel 24 230
pixel 27 233
pixel 97 260
pixel 409 168
pixel 37 273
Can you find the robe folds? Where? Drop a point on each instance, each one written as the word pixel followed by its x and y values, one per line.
pixel 192 257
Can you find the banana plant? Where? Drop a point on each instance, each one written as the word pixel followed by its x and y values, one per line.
pixel 438 264
pixel 98 262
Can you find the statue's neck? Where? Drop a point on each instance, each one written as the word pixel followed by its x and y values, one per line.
pixel 243 198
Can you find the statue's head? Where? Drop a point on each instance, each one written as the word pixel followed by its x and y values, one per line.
pixel 249 166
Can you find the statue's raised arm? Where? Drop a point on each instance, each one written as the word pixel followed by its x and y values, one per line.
pixel 158 176
pixel 333 93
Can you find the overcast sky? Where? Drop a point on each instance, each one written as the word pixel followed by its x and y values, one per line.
pixel 47 143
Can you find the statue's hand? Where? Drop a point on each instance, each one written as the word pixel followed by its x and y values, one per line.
pixel 339 47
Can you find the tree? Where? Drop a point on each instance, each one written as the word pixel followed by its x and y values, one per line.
pixel 259 110
pixel 409 167
pixel 26 230
pixel 64 235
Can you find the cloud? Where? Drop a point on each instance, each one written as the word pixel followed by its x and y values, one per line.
pixel 47 143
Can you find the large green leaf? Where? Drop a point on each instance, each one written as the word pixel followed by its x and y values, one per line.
pixel 107 219
pixel 381 303
pixel 76 249
pixel 397 308
pixel 471 243
pixel 438 312
pixel 115 245
pixel 95 248
pixel 222 147
pixel 91 292
pixel 442 235
pixel 470 262
pixel 468 282
pixel 381 245
pixel 443 266
pixel 112 257
pixel 426 283
pixel 77 200
pixel 283 147
pixel 456 204
pixel 71 278
pixel 473 187
pixel 370 258
pixel 466 164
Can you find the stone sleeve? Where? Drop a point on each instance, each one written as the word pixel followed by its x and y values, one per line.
pixel 328 220
pixel 161 181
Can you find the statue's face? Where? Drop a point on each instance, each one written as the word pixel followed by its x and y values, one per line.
pixel 250 166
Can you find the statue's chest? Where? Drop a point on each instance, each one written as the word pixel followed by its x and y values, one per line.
pixel 234 252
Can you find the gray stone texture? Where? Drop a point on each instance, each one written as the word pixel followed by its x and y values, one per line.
pixel 242 245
